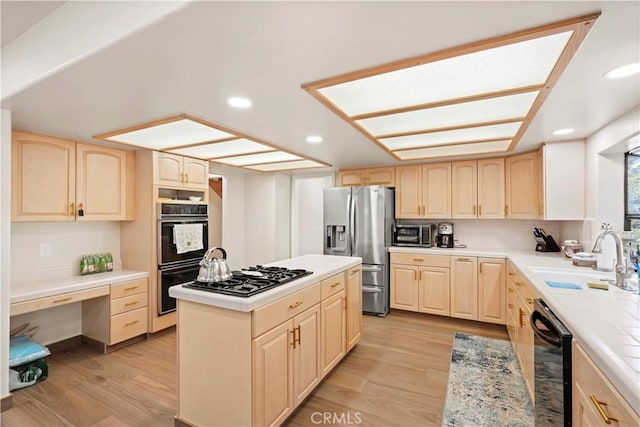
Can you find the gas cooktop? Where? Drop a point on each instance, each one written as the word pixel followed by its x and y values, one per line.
pixel 246 283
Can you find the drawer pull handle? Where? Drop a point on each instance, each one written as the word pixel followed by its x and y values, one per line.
pixel 62 300
pixel 462 259
pixel 295 304
pixel 297 340
pixel 130 288
pixel 130 323
pixel 293 338
pixel 511 305
pixel 335 284
pixel 517 283
pixel 130 303
pixel 607 419
pixel 357 270
pixel 520 318
pixel 510 290
pixel 530 300
pixel 418 260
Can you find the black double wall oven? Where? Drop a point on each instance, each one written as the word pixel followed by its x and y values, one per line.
pixel 177 268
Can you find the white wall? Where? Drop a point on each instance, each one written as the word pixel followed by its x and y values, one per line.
pixel 233 217
pixel 215 219
pixel 306 213
pixel 5 246
pixel 282 241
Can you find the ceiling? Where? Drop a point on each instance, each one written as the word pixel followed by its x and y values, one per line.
pixel 191 59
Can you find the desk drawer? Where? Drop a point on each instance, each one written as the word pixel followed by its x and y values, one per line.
pixel 129 288
pixel 331 285
pixel 132 302
pixel 57 300
pixel 420 259
pixel 265 318
pixel 128 325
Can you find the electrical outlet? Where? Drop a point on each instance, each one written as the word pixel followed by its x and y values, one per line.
pixel 45 249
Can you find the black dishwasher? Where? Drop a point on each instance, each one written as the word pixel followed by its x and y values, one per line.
pixel 552 367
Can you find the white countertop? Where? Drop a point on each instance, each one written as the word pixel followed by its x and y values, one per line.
pixel 323 266
pixel 605 323
pixel 44 288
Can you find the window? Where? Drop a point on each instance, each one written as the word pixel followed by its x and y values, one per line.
pixel 632 190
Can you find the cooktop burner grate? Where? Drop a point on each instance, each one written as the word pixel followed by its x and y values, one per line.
pixel 246 283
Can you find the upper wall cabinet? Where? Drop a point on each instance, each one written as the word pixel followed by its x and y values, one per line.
pixel 562 179
pixel 55 179
pixel 423 191
pixel 522 187
pixel 172 170
pixel 370 176
pixel 477 189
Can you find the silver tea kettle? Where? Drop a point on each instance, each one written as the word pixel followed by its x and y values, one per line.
pixel 214 269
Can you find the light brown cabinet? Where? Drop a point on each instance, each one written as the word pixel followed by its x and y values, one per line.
pixel 464 287
pixel 332 331
pixel 420 283
pixel 370 176
pixel 433 290
pixel 172 170
pixel 404 287
pixel 477 189
pixel 522 186
pixel 491 290
pixel 596 402
pixel 423 191
pixel 353 290
pixel 55 179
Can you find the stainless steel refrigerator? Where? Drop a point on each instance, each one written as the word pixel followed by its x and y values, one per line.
pixel 357 222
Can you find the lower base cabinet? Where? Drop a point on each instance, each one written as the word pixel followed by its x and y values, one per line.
pixel 595 401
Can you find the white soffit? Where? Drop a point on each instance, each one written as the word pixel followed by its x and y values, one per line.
pixel 190 136
pixel 485 91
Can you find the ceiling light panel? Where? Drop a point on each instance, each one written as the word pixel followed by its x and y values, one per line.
pixel 298 164
pixel 471 149
pixel 453 96
pixel 527 63
pixel 254 159
pixel 173 134
pixel 234 147
pixel 482 133
pixel 482 111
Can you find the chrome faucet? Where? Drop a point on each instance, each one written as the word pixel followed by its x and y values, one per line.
pixel 623 274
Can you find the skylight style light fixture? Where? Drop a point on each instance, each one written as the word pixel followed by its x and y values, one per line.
pixel 190 136
pixel 314 139
pixel 473 99
pixel 624 71
pixel 239 102
pixel 566 131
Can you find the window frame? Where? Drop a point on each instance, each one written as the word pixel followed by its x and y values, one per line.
pixel 628 218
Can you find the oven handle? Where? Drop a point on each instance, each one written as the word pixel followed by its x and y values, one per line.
pixel 169 268
pixel 554 339
pixel 188 219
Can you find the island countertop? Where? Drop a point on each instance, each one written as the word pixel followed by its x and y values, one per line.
pixel 323 267
pixel 606 324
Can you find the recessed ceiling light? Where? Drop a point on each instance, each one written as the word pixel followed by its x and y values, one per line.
pixel 314 139
pixel 563 131
pixel 624 71
pixel 239 102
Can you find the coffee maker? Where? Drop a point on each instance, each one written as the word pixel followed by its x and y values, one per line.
pixel 445 235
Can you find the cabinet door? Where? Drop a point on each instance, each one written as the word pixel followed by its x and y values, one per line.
pixel 464 288
pixel 434 290
pixel 306 354
pixel 380 176
pixel 491 291
pixel 521 186
pixel 354 306
pixel 333 331
pixel 43 178
pixel 350 178
pixel 491 188
pixel 464 189
pixel 404 287
pixel 196 173
pixel 409 191
pixel 273 375
pixel 167 169
pixel 525 348
pixel 436 190
pixel 100 182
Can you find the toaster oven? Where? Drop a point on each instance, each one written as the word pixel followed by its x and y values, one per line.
pixel 407 235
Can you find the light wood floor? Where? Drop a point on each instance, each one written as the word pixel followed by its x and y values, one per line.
pixel 395 376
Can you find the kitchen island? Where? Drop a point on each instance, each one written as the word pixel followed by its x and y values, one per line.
pixel 251 361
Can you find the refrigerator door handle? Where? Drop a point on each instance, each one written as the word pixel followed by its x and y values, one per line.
pixel 371 268
pixel 352 223
pixel 371 289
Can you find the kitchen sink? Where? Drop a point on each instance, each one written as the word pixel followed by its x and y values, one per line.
pixel 570 278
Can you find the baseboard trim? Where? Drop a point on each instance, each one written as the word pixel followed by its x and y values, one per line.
pixel 65 344
pixel 177 422
pixel 104 348
pixel 6 403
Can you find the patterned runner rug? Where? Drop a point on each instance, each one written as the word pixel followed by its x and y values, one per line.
pixel 485 387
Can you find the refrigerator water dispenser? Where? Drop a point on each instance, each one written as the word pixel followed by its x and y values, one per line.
pixel 337 238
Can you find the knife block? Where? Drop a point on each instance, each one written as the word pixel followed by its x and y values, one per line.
pixel 547 245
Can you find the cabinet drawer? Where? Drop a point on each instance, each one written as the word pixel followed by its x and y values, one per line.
pixel 265 318
pixel 420 259
pixel 128 325
pixel 57 300
pixel 331 285
pixel 129 288
pixel 589 381
pixel 132 302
